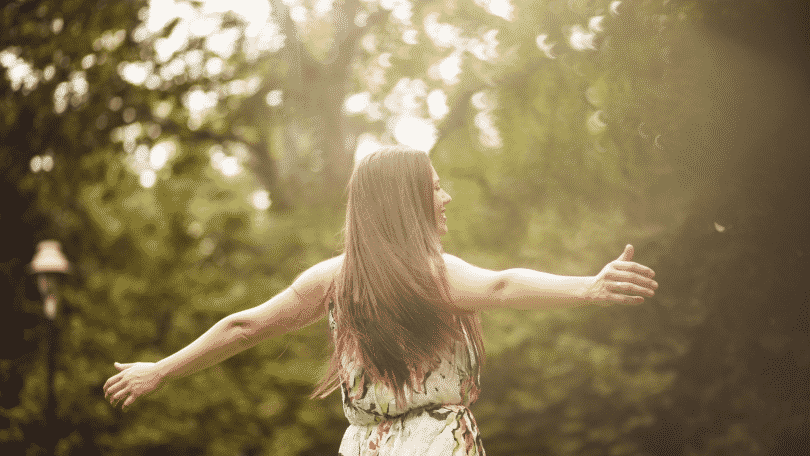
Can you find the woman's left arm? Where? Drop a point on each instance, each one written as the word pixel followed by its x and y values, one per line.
pixel 620 282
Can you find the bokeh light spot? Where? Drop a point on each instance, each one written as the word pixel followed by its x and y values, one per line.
pixel 230 166
pixel 147 178
pixel 273 98
pixel 36 164
pixel 47 163
pixel 437 104
pixel 261 200
pixel 357 103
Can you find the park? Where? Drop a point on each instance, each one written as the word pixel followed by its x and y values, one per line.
pixel 168 163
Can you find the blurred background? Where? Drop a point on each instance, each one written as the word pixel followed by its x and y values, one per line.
pixel 191 158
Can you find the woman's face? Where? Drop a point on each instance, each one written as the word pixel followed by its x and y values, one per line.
pixel 440 198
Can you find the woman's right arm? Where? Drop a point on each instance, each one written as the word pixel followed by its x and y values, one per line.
pixel 620 281
pixel 295 307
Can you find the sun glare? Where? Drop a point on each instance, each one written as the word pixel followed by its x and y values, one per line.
pixel 366 144
pixel 207 21
pixel 415 132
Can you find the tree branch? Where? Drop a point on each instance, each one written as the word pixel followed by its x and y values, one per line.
pixel 266 170
pixel 349 33
pixel 455 119
pixel 262 164
pixel 296 55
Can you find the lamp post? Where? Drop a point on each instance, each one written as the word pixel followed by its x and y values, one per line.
pixel 48 265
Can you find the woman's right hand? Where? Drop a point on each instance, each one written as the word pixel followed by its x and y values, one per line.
pixel 133 381
pixel 622 282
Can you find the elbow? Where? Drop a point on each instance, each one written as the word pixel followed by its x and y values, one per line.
pixel 500 288
pixel 245 339
pixel 242 331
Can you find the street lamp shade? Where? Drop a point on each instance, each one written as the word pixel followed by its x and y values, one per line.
pixel 49 258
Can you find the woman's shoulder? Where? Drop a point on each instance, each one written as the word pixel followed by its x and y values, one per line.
pixel 317 278
pixel 473 288
pixel 332 265
pixel 327 270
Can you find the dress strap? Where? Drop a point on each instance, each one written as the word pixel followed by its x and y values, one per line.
pixel 330 296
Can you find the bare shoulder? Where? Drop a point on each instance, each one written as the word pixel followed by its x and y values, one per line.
pixel 472 287
pixel 316 279
pixel 459 267
pixel 329 267
pixel 451 260
pixel 297 306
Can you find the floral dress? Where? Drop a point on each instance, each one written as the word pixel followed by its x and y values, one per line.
pixel 435 421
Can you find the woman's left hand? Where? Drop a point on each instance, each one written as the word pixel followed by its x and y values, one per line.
pixel 622 282
pixel 134 380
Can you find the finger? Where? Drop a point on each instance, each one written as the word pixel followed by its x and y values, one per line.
pixel 631 288
pixel 633 277
pixel 115 389
pixel 634 267
pixel 122 366
pixel 129 401
pixel 627 255
pixel 112 387
pixel 110 381
pixel 122 396
pixel 625 299
pixel 116 398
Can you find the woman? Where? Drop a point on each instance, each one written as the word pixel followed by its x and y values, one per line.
pixel 403 316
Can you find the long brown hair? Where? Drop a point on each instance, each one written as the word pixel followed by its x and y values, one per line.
pixel 392 305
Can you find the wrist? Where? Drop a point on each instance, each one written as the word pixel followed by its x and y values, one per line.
pixel 163 371
pixel 585 293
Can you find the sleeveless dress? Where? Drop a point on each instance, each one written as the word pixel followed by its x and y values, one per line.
pixel 435 421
